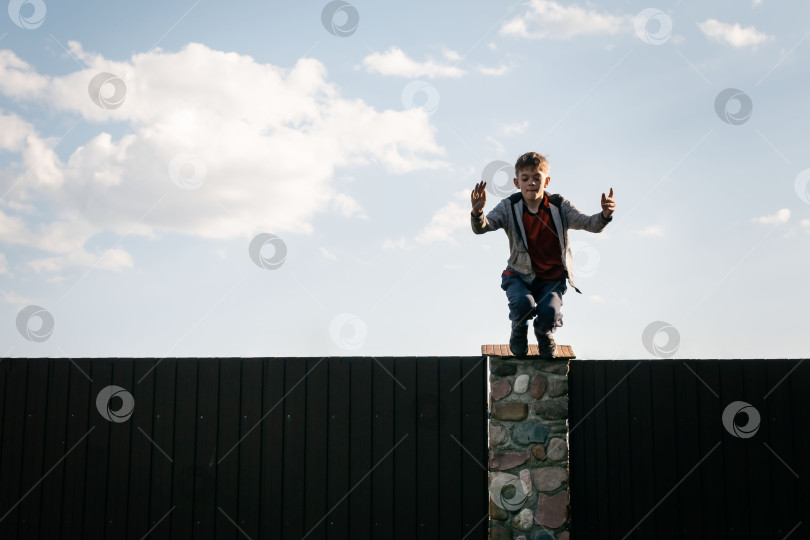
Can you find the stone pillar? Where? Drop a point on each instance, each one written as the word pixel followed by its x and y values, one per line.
pixel 528 449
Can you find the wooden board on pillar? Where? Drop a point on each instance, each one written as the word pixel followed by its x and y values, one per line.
pixel 564 352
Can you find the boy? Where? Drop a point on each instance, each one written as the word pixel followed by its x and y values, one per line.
pixel 540 258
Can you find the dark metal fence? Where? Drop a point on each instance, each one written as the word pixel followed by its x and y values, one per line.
pixel 331 447
pixel 675 449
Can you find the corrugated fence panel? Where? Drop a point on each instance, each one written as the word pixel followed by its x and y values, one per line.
pixel 339 445
pixel 243 447
pixel 698 449
pixel 474 509
pixel 405 454
pixel 385 388
pixel 360 462
pixel 11 455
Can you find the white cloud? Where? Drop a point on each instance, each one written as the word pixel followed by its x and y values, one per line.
pixel 500 70
pixel 270 139
pixel 13 131
pixel 806 223
pixel 327 254
pixel 66 239
pixel 515 128
pixel 451 55
pixel 652 230
pixel 443 225
pixel 13 298
pixel 499 148
pixel 734 35
pixel 396 244
pixel 4 271
pixel 546 19
pixel 596 299
pixel 780 217
pixel 395 62
pixel 348 207
pixel 111 259
pixel 18 79
pixel 19 207
pixel 39 161
pixel 452 216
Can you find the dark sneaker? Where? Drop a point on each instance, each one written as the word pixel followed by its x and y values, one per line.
pixel 546 346
pixel 519 340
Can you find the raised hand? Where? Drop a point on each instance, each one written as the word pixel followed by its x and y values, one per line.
pixel 478 198
pixel 608 204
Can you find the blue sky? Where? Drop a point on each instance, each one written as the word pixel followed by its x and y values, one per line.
pixel 144 146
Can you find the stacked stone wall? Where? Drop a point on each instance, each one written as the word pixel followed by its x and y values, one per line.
pixel 528 449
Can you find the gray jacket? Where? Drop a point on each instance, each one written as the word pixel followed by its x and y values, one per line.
pixel 508 215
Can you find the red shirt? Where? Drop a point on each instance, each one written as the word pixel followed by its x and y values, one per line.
pixel 544 244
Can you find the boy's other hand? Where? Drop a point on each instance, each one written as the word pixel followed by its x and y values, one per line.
pixel 478 198
pixel 608 204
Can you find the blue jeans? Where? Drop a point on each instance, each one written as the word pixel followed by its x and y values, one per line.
pixel 542 300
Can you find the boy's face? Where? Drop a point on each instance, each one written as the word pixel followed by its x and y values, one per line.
pixel 532 182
